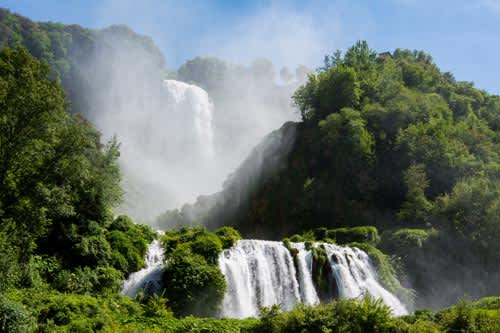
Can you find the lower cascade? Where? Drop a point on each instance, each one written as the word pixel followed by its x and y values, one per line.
pixel 262 273
pixel 148 278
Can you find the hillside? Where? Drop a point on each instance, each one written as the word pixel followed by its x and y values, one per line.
pixel 78 56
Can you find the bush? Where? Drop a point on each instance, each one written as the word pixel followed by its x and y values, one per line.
pixel 366 234
pixel 489 303
pixel 209 246
pixel 199 241
pixel 366 315
pixel 228 235
pixel 405 240
pixel 129 243
pixel 103 279
pixel 464 318
pixel 14 318
pixel 192 285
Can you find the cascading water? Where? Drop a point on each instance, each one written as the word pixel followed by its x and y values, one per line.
pixel 304 262
pixel 148 278
pixel 167 142
pixel 193 105
pixel 258 273
pixel 262 273
pixel 355 276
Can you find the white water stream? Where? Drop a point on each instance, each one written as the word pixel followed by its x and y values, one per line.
pixel 148 278
pixel 263 273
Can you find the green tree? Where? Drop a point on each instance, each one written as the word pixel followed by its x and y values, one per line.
pixel 416 208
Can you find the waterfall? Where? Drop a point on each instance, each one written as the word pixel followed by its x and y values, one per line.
pixel 258 273
pixel 355 276
pixel 304 262
pixel 262 273
pixel 193 105
pixel 148 278
pixel 167 144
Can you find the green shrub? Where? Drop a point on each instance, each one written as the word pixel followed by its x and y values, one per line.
pixel 94 250
pixel 192 285
pixel 489 303
pixel 460 318
pixel 10 273
pixel 125 256
pixel 366 234
pixel 129 243
pixel 103 279
pixel 209 246
pixel 156 306
pixel 366 315
pixel 228 235
pixel 405 240
pixel 199 241
pixel 14 318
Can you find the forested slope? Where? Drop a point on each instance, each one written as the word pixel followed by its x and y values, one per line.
pixel 76 54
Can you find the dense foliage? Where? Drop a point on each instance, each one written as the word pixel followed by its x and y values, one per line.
pixel 35 311
pixel 58 185
pixel 193 282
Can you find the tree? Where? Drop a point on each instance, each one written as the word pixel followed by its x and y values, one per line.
pixel 416 208
pixel 58 183
pixel 32 111
pixel 328 92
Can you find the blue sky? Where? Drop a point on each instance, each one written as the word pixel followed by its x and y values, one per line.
pixel 463 36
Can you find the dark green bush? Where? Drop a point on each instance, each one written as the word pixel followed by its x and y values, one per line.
pixel 103 279
pixel 197 240
pixel 192 285
pixel 209 246
pixel 14 318
pixel 129 243
pixel 365 234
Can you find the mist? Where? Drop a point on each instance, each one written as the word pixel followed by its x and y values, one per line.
pixel 178 140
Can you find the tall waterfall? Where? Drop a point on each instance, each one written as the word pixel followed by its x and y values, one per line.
pixel 194 107
pixel 148 278
pixel 262 273
pixel 167 144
